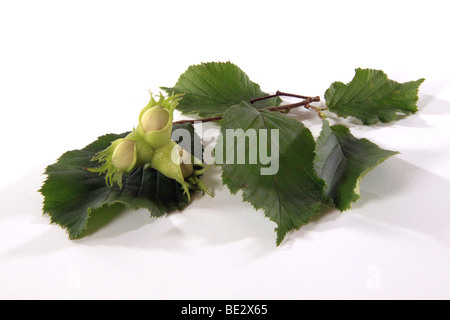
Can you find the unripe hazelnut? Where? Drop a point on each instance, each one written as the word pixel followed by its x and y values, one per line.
pixel 124 156
pixel 155 118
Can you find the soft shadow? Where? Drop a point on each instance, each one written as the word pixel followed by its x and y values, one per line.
pixel 113 225
pixel 399 194
pixel 226 219
pixel 407 196
pixel 46 243
pixel 21 197
pixel 432 105
pixel 138 230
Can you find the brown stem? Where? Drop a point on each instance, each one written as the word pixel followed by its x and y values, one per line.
pixel 200 120
pixel 264 98
pixel 279 94
pixel 304 103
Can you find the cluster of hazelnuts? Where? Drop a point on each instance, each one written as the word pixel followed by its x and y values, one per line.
pixel 149 145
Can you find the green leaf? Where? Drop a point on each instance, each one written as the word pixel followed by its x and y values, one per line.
pixel 72 193
pixel 291 196
pixel 211 88
pixel 371 96
pixel 343 160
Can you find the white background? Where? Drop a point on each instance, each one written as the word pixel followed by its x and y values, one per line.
pixel 73 70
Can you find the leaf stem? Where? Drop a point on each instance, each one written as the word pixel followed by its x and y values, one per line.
pixel 318 110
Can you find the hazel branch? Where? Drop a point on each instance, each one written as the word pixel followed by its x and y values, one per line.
pixel 305 103
pixel 279 94
pixel 199 120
